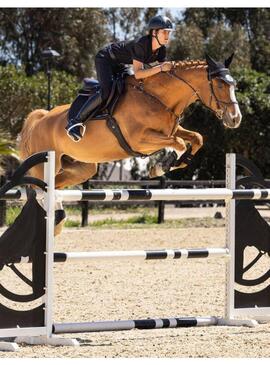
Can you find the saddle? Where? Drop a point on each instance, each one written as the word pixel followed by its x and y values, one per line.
pixel 105 111
pixel 90 87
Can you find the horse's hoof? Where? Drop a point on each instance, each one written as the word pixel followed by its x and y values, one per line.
pixel 60 218
pixel 156 171
pixel 182 166
pixel 59 215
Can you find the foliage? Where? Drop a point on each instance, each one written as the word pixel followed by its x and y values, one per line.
pixel 253 136
pixel 76 33
pixel 125 23
pixel 187 43
pixel 19 95
pixel 254 23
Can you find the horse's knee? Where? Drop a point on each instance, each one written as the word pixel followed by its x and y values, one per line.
pixel 197 140
pixel 89 171
pixel 181 145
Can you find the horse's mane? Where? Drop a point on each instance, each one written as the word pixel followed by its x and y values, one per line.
pixel 190 64
pixel 180 66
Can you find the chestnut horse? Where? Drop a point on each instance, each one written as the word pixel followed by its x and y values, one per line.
pixel 147 114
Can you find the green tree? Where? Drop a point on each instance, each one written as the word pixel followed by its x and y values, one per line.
pixel 187 42
pixel 19 95
pixel 222 41
pixel 75 33
pixel 255 23
pixel 126 23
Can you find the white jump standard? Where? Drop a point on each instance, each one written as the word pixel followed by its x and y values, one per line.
pixel 47 333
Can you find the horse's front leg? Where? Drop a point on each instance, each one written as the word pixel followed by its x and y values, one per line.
pixel 194 138
pixel 154 141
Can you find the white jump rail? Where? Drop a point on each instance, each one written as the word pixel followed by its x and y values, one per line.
pixel 221 194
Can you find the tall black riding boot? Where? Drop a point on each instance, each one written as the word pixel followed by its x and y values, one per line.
pixel 73 127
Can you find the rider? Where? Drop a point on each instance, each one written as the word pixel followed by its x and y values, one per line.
pixel 111 59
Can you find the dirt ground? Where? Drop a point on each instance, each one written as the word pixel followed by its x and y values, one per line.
pixel 91 291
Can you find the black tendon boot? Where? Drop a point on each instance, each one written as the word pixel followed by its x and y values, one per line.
pixel 73 127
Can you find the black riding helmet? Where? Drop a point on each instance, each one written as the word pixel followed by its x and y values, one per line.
pixel 160 22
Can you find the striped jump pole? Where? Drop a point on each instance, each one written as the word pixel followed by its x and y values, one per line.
pixel 138 254
pixel 162 194
pixel 147 194
pixel 144 255
pixel 140 324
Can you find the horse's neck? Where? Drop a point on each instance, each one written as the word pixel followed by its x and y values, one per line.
pixel 175 93
pixel 193 81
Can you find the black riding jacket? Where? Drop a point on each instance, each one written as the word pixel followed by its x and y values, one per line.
pixel 137 49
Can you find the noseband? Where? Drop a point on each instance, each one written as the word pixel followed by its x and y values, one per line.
pixel 219 112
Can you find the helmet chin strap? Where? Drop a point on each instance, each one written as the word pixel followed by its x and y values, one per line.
pixel 155 36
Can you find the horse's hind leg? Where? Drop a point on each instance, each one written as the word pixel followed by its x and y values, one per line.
pixel 72 173
pixel 38 172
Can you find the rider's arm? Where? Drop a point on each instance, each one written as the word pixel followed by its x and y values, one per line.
pixel 141 73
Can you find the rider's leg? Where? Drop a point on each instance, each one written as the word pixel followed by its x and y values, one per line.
pixel 74 125
pixel 105 74
pixel 105 77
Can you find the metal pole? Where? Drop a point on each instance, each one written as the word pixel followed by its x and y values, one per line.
pixel 230 235
pixel 3 205
pixel 49 203
pixel 49 74
pixel 161 204
pixel 85 207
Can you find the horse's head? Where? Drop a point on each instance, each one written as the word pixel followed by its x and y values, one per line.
pixel 222 98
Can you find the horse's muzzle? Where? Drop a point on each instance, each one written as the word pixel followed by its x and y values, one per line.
pixel 232 120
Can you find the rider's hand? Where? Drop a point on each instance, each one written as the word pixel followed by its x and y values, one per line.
pixel 166 66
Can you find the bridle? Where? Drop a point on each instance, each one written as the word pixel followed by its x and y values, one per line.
pixel 211 75
pixel 219 112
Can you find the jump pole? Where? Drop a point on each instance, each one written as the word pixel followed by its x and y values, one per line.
pixel 220 194
pixel 149 255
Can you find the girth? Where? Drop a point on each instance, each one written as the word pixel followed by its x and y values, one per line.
pixel 115 129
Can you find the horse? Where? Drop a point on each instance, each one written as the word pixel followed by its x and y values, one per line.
pixel 148 116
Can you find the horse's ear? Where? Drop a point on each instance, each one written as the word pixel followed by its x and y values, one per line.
pixel 228 60
pixel 210 61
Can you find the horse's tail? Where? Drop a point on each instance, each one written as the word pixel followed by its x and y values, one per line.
pixel 24 137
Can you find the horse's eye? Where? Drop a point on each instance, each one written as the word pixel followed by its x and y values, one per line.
pixel 220 84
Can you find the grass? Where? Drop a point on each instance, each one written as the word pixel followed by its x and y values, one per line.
pixel 111 210
pixel 150 221
pixel 12 213
pixel 143 219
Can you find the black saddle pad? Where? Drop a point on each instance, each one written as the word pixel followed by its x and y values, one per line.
pixel 90 87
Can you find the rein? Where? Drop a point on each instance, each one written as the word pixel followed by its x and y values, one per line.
pixel 147 93
pixel 178 118
pixel 219 112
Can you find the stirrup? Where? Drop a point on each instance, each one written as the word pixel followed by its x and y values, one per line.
pixel 77 136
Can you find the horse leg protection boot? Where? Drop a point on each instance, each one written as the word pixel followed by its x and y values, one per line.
pixel 73 127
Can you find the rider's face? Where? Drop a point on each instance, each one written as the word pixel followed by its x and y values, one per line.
pixel 163 36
